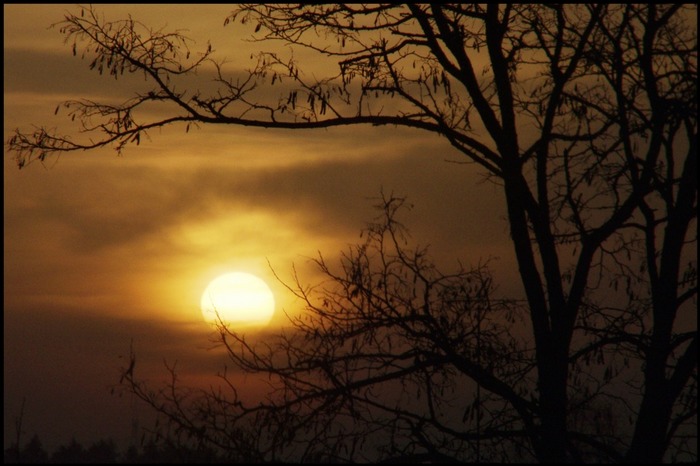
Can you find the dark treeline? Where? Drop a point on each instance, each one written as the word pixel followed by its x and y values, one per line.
pixel 105 451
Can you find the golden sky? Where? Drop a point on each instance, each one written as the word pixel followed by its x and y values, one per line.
pixel 101 250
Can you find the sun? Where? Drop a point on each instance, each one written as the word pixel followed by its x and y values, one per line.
pixel 239 299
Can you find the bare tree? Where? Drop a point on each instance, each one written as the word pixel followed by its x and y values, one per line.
pixel 389 345
pixel 584 114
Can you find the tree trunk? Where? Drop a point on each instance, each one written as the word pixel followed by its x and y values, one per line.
pixel 649 441
pixel 551 348
pixel 553 408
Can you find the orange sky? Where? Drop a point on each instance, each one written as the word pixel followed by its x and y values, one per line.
pixel 100 250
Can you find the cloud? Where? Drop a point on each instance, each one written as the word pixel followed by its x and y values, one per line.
pixel 112 201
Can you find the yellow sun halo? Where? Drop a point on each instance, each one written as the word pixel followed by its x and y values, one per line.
pixel 239 300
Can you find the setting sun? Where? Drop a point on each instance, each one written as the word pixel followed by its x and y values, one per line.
pixel 430 232
pixel 239 299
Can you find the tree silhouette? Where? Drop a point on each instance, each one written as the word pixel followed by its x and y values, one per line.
pixel 32 453
pixel 586 115
pixel 154 449
pixel 73 453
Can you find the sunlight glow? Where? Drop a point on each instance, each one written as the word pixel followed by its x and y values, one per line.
pixel 239 299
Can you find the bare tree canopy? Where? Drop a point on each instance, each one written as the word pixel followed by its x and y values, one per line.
pixel 584 114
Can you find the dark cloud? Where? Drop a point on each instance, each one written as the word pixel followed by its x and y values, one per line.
pixel 121 202
pixel 69 75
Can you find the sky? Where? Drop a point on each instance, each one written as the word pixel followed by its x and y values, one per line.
pixel 102 251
